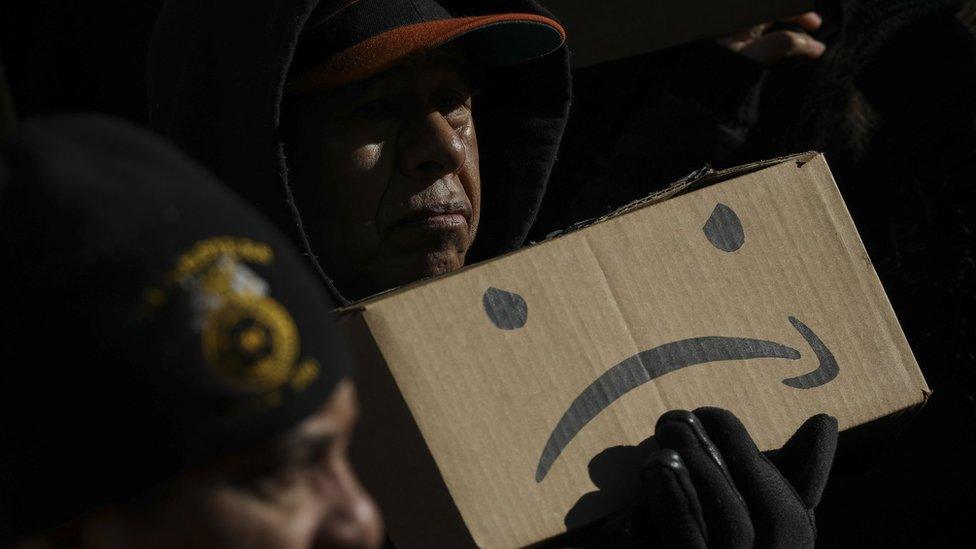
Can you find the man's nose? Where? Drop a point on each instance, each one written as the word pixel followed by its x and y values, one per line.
pixel 354 523
pixel 430 147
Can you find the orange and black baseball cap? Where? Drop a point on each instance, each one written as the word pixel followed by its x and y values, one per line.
pixel 347 41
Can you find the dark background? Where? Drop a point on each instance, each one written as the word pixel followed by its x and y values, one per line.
pixel 65 56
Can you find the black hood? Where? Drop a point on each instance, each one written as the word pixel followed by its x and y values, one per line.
pixel 217 68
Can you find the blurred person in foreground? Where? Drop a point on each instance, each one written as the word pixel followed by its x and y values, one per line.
pixel 172 376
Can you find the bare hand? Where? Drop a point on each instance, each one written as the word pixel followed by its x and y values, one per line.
pixel 770 48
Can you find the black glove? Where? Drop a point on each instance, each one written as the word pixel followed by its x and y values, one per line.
pixel 709 486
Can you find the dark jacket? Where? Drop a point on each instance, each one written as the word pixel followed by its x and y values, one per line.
pixel 925 98
pixel 640 123
pixel 216 71
pixel 913 195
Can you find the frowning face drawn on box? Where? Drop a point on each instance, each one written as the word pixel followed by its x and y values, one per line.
pixel 724 231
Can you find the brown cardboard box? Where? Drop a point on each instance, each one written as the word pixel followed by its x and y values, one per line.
pixel 609 29
pixel 492 395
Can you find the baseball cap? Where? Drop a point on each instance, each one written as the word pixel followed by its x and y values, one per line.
pixel 347 41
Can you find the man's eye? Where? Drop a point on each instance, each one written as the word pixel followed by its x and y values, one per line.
pixel 451 102
pixel 273 487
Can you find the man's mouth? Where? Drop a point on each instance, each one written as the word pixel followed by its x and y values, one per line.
pixel 438 217
pixel 654 363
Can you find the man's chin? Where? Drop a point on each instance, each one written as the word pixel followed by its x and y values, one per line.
pixel 409 268
pixel 442 263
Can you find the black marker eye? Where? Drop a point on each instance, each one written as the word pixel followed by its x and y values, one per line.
pixel 506 310
pixel 724 229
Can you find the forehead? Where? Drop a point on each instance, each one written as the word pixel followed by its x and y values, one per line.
pixel 336 416
pixel 423 73
pixel 334 420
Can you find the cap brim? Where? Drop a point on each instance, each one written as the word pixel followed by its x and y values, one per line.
pixel 493 40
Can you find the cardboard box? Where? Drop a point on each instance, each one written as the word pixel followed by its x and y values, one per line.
pixel 501 403
pixel 611 29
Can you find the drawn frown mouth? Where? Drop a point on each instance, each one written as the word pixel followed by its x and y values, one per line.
pixel 651 364
pixel 724 231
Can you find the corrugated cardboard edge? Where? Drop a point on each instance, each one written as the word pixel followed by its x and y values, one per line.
pixel 855 439
pixel 697 179
pixel 894 325
pixel 400 459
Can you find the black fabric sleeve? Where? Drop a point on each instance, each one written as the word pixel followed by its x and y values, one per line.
pixel 640 123
pixel 923 85
pixel 724 85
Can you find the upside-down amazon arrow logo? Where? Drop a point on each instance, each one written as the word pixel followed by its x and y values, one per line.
pixel 724 231
pixel 648 365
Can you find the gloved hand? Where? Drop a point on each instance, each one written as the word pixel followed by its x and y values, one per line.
pixel 709 486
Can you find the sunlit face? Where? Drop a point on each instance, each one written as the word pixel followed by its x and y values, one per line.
pixel 299 492
pixel 386 173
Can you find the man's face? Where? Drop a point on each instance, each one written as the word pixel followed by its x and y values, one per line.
pixel 299 492
pixel 386 173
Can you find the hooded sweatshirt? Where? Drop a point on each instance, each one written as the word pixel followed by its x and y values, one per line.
pixel 216 73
